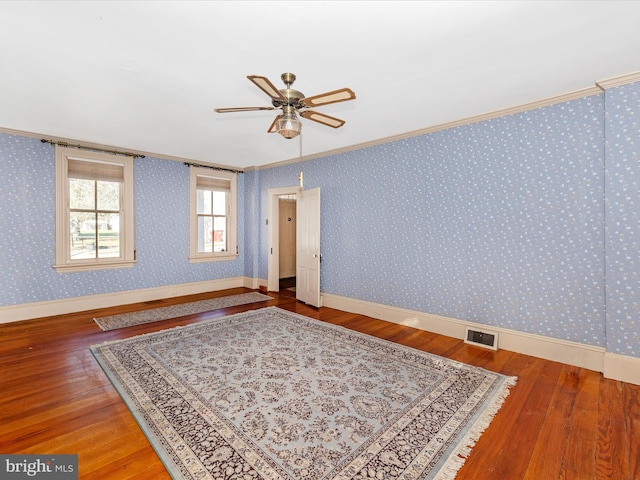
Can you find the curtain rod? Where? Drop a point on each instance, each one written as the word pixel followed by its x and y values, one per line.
pixel 82 147
pixel 212 167
pixel 134 155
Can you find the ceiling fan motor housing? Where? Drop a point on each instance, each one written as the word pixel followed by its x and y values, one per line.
pixel 293 96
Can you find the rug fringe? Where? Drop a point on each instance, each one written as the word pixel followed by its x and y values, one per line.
pixel 458 457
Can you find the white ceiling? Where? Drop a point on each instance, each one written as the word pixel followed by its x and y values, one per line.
pixel 147 75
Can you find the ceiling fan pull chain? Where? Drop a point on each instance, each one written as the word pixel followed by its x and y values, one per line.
pixel 301 177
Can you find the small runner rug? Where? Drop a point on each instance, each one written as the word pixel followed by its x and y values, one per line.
pixel 270 394
pixel 123 320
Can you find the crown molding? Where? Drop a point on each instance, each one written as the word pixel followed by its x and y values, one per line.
pixel 619 80
pixel 99 146
pixel 584 92
pixel 598 88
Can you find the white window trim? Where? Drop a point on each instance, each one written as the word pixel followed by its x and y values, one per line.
pixel 63 261
pixel 232 234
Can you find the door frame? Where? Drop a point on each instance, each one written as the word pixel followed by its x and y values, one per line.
pixel 273 235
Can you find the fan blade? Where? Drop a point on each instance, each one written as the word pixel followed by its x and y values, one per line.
pixel 264 84
pixel 272 128
pixel 322 118
pixel 242 109
pixel 334 96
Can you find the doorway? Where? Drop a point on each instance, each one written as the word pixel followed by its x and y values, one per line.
pixel 282 262
pixel 287 242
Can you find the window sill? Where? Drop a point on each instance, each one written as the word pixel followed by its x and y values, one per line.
pixel 213 258
pixel 85 267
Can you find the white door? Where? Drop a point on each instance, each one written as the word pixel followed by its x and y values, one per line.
pixel 308 247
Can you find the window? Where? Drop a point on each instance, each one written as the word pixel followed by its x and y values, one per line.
pixel 94 210
pixel 213 215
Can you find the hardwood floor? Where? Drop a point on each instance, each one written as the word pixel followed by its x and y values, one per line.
pixel 559 422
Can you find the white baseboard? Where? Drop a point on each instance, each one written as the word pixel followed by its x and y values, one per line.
pixel 254 283
pixel 14 313
pixel 571 353
pixel 617 367
pixel 622 367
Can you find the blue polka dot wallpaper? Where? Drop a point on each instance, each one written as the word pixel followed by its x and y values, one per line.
pixel 528 222
pixel 499 222
pixel 623 219
pixel 27 217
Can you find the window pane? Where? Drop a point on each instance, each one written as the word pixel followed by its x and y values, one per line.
pixel 204 202
pixel 219 234
pixel 108 196
pixel 219 203
pixel 82 194
pixel 108 235
pixel 83 235
pixel 213 215
pixel 94 210
pixel 205 235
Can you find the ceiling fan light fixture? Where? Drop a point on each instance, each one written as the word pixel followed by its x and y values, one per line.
pixel 289 125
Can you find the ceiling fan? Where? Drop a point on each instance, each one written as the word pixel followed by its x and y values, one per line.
pixel 291 101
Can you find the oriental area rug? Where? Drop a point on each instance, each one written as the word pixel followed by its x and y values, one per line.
pixel 123 320
pixel 270 394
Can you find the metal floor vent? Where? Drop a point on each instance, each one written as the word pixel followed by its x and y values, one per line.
pixel 484 338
